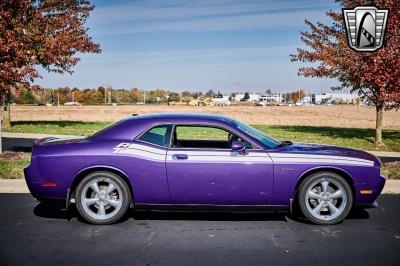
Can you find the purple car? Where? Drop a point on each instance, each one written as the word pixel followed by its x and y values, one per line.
pixel 199 162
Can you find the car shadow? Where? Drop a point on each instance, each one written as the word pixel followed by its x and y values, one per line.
pixel 54 211
pixel 46 210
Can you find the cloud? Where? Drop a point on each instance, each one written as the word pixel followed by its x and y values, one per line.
pixel 131 19
pixel 158 10
pixel 184 56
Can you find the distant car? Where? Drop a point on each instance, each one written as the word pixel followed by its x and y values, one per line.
pixel 199 162
pixel 221 101
pixel 72 104
pixel 260 103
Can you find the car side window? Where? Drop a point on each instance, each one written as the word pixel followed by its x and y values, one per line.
pixel 207 137
pixel 158 135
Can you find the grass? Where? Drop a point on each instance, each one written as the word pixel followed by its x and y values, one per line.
pixel 12 166
pixel 13 169
pixel 357 138
pixel 57 127
pixel 391 170
pixel 200 133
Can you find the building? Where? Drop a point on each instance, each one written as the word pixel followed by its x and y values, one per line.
pixel 253 97
pixel 275 98
pixel 335 98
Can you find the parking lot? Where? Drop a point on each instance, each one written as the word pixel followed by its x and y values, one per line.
pixel 36 234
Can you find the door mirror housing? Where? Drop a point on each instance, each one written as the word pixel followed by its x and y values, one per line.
pixel 238 146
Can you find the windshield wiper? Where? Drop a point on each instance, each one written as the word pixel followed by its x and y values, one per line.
pixel 284 143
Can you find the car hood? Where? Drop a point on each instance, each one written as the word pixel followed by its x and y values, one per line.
pixel 309 148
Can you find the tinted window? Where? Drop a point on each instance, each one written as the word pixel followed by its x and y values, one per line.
pixel 204 137
pixel 258 135
pixel 200 133
pixel 158 135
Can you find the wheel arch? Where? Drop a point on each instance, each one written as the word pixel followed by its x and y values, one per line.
pixel 84 172
pixel 333 169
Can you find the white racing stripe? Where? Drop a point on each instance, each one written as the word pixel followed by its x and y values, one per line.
pixel 311 158
pixel 210 156
pixel 220 156
pixel 142 151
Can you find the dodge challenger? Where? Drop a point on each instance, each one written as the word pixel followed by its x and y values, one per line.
pixel 199 162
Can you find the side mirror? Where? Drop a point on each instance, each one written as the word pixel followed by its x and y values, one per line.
pixel 238 146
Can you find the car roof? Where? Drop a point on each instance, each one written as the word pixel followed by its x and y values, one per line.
pixel 173 117
pixel 124 129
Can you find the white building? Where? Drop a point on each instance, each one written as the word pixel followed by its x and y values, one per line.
pixel 336 97
pixel 224 100
pixel 238 97
pixel 276 98
pixel 253 97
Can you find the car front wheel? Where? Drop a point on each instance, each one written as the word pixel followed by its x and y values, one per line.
pixel 102 198
pixel 325 198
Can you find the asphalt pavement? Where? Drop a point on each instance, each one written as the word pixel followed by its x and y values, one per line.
pixel 35 234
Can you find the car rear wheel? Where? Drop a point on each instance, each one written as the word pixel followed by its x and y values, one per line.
pixel 325 198
pixel 102 198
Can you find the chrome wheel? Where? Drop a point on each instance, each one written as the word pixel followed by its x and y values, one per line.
pixel 326 199
pixel 101 198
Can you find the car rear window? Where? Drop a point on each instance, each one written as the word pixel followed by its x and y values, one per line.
pixel 158 135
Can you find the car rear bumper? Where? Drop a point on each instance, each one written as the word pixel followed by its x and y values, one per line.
pixel 42 187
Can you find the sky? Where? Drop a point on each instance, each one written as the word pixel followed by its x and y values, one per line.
pixel 225 45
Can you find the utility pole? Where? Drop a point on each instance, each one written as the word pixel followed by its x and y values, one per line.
pixel 144 97
pixel 73 96
pixel 58 98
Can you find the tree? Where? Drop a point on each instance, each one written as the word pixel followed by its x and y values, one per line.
pixel 246 96
pixel 173 97
pixel 297 95
pixel 373 75
pixel 209 94
pixel 137 95
pixel 46 33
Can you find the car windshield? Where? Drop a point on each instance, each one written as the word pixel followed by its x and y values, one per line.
pixel 258 135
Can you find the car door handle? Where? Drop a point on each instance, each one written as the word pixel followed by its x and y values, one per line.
pixel 180 156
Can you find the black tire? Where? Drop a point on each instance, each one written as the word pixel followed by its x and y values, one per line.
pixel 123 193
pixel 336 181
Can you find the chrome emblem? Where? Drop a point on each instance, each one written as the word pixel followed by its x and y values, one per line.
pixel 365 27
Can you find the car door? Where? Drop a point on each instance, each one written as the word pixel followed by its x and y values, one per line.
pixel 201 169
pixel 144 159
